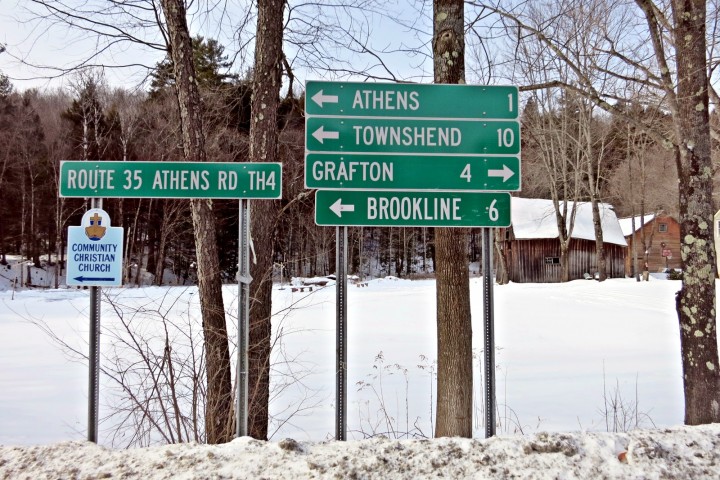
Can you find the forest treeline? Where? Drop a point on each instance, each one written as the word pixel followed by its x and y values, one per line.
pixel 569 150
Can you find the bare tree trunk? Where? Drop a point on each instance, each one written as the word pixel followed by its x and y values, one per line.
pixel 58 243
pixel 454 326
pixel 130 241
pixel 172 209
pixel 502 276
pixel 592 163
pixel 565 227
pixel 219 404
pixel 140 243
pixel 679 43
pixel 599 240
pixel 696 300
pixel 634 264
pixel 267 76
pixel 597 219
pixel 564 261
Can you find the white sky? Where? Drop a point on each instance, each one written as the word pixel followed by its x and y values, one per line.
pixel 30 41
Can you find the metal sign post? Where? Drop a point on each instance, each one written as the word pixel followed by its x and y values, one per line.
pixel 94 354
pixel 244 279
pixel 94 259
pixel 488 307
pixel 341 356
pixel 139 179
pixel 412 155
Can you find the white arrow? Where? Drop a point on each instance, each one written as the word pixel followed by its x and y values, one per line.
pixel 505 173
pixel 321 135
pixel 319 98
pixel 338 208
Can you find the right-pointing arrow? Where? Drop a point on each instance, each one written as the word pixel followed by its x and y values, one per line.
pixel 321 135
pixel 505 173
pixel 338 207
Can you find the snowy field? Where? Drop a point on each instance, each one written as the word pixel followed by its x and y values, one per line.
pixel 579 357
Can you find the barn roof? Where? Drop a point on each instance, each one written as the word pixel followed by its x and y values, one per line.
pixel 626 223
pixel 535 218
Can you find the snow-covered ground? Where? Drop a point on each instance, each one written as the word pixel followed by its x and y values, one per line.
pixel 581 358
pixel 681 453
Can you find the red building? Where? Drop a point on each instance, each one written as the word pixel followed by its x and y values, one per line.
pixel 657 240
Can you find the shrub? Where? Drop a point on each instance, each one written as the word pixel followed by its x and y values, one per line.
pixel 675 275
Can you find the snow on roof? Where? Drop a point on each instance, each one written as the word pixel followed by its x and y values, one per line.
pixel 626 223
pixel 535 218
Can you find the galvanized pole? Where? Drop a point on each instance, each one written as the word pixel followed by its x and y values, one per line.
pixel 244 279
pixel 489 347
pixel 94 354
pixel 341 353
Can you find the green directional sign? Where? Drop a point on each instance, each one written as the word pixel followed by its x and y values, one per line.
pixel 355 99
pixel 366 135
pixel 412 208
pixel 113 179
pixel 411 172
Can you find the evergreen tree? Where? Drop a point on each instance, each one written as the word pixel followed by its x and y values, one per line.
pixel 211 67
pixel 6 87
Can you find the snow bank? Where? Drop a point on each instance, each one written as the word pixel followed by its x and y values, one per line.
pixel 677 453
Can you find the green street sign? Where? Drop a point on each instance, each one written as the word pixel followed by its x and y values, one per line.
pixel 404 100
pixel 411 172
pixel 113 179
pixel 452 137
pixel 412 208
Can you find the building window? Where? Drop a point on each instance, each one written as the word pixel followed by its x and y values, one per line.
pixel 662 228
pixel 552 260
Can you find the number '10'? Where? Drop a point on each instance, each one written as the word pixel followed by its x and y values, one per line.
pixel 506 137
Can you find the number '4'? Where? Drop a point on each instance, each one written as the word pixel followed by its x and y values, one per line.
pixel 466 173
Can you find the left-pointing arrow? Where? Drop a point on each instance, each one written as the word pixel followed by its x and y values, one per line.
pixel 320 98
pixel 321 135
pixel 338 207
pixel 94 279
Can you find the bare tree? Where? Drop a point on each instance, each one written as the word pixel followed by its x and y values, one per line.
pixel 454 325
pixel 113 28
pixel 267 75
pixel 171 218
pixel 129 118
pixel 696 299
pixel 52 105
pixel 592 139
pixel 218 409
pixel 339 39
pixel 548 135
pixel 662 61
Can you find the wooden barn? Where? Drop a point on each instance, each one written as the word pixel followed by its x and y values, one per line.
pixel 532 248
pixel 658 242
